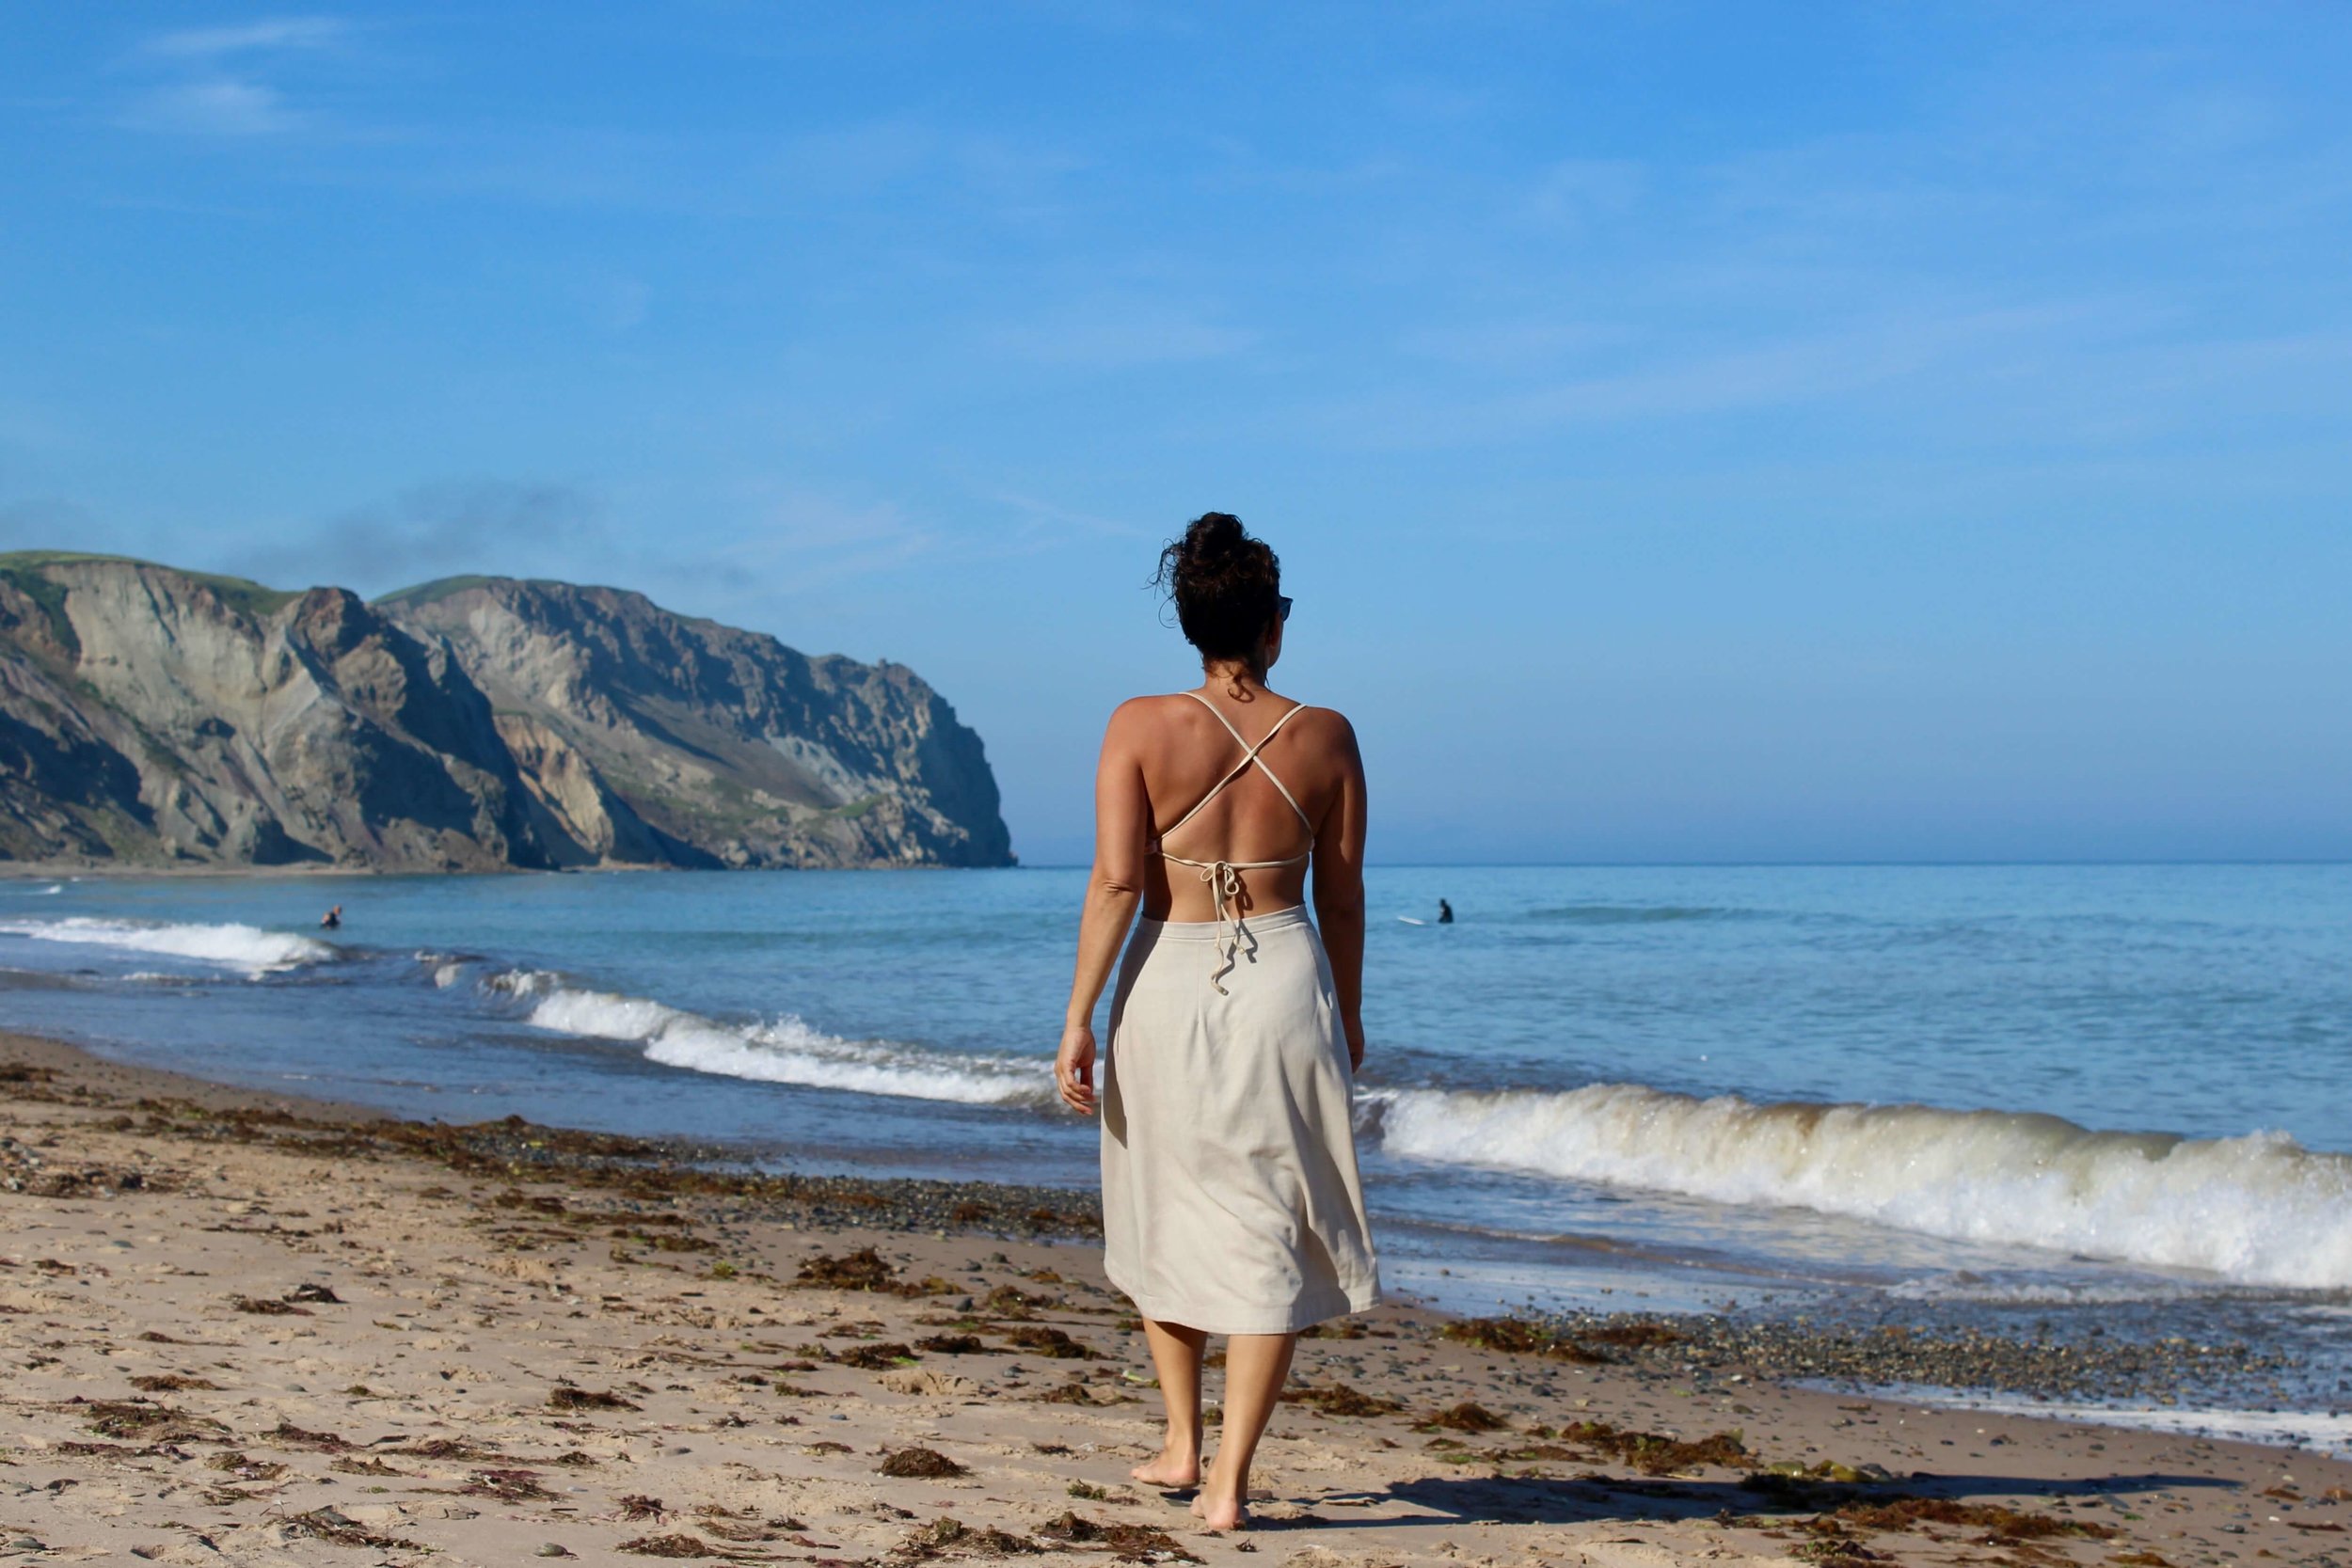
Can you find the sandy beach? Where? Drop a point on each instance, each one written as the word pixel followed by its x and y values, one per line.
pixel 248 1329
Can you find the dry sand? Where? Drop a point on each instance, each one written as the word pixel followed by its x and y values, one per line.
pixel 242 1329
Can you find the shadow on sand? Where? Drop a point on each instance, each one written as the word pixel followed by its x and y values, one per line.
pixel 1569 1501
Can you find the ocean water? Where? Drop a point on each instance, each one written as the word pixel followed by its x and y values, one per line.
pixel 2074 1096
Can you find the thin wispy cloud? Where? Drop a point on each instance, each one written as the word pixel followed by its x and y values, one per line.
pixel 220 107
pixel 274 34
pixel 1039 524
pixel 805 541
pixel 220 84
pixel 809 542
pixel 432 530
pixel 1862 356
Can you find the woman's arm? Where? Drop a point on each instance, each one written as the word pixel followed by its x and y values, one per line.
pixel 1339 892
pixel 1123 827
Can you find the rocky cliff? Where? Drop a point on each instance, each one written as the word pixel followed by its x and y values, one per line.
pixel 155 716
pixel 636 724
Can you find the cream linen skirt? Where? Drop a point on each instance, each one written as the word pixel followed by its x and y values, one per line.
pixel 1231 1202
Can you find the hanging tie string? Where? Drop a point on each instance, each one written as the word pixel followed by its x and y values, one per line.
pixel 1224 880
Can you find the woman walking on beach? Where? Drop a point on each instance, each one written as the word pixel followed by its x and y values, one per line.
pixel 1231 1203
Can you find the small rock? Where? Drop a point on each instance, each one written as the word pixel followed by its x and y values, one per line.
pixel 552 1548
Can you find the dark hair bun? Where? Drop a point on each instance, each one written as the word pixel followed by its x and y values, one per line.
pixel 1225 583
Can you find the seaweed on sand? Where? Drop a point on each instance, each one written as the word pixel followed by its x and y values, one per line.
pixel 2003 1525
pixel 1340 1398
pixel 863 1270
pixel 1654 1453
pixel 1521 1336
pixel 569 1398
pixel 672 1546
pixel 147 1422
pixel 1050 1342
pixel 920 1465
pixel 285 1432
pixel 1469 1416
pixel 948 1534
pixel 338 1528
pixel 506 1486
pixel 1132 1543
pixel 444 1448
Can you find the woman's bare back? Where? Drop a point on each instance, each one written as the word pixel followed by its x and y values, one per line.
pixel 1180 751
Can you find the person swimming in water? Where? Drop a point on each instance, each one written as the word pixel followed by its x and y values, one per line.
pixel 1445 913
pixel 332 920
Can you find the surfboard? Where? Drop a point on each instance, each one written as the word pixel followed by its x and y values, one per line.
pixel 1411 921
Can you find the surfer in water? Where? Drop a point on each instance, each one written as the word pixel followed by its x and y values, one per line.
pixel 332 920
pixel 1445 913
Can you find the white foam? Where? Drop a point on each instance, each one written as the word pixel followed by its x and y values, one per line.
pixel 245 947
pixel 2258 1209
pixel 519 982
pixel 2000 1291
pixel 2328 1432
pixel 783 1051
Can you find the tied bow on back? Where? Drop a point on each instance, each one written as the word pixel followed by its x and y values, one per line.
pixel 1224 880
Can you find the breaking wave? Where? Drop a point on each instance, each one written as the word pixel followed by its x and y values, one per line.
pixel 784 1050
pixel 2259 1210
pixel 246 947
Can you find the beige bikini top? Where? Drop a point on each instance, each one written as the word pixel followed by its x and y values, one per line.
pixel 1224 877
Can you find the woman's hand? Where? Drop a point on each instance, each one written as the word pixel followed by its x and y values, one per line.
pixel 1354 1031
pixel 1073 1067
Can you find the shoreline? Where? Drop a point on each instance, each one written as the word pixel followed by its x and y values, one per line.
pixel 1903 1359
pixel 253 1328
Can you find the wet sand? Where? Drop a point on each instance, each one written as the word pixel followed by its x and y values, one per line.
pixel 243 1328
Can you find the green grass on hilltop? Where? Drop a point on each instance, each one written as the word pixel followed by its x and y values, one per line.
pixel 23 568
pixel 66 558
pixel 440 588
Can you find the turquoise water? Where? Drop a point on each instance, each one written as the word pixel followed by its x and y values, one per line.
pixel 2007 1086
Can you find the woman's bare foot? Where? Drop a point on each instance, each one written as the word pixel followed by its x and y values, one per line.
pixel 1219 1510
pixel 1172 1470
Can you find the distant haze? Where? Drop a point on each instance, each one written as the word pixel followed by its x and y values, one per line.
pixel 1691 432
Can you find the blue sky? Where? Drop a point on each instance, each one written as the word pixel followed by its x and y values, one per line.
pixel 1691 432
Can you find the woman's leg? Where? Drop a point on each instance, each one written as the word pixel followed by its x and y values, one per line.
pixel 1176 1354
pixel 1255 1366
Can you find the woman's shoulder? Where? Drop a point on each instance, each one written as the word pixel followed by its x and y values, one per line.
pixel 1152 705
pixel 1155 709
pixel 1326 726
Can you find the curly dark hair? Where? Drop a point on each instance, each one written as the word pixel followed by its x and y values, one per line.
pixel 1226 584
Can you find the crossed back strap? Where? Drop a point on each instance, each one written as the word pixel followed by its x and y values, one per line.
pixel 1249 758
pixel 1223 875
